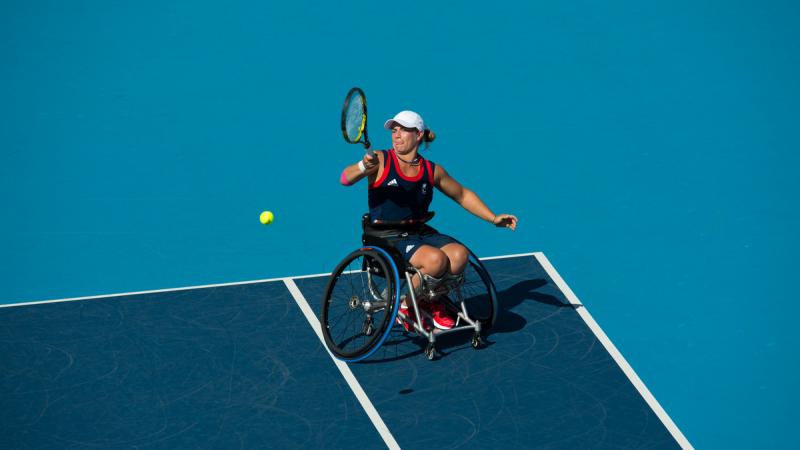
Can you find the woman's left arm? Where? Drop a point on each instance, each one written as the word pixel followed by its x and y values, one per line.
pixel 470 200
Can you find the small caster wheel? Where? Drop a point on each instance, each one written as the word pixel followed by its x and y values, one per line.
pixel 368 329
pixel 477 341
pixel 430 352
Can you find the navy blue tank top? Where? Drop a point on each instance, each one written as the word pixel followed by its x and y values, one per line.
pixel 395 197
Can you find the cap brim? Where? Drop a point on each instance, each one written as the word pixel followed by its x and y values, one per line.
pixel 389 124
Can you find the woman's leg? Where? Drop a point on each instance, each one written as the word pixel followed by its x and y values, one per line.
pixel 430 261
pixel 434 262
pixel 457 256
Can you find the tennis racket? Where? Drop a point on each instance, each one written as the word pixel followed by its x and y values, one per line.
pixel 354 118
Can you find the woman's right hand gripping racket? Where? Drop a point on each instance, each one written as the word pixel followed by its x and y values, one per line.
pixel 354 120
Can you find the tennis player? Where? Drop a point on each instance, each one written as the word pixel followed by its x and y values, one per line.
pixel 401 184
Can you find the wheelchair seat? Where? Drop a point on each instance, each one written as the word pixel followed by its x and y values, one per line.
pixel 378 233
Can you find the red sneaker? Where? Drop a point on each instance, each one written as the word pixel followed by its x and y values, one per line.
pixel 410 314
pixel 400 321
pixel 442 318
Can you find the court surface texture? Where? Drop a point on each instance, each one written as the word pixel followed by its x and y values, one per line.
pixel 242 366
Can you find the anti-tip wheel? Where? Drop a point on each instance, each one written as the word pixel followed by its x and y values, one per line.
pixel 477 341
pixel 430 352
pixel 368 328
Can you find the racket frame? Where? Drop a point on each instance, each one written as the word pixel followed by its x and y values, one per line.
pixel 363 128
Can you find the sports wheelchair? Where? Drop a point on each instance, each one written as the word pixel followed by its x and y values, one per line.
pixel 363 295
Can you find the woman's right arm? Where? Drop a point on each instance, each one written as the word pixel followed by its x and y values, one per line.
pixel 369 166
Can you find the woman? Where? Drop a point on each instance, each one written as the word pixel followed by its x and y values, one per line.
pixel 400 191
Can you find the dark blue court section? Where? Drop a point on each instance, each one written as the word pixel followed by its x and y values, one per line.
pixel 239 366
pixel 227 367
pixel 544 382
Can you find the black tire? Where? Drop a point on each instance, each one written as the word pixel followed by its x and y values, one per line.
pixel 363 285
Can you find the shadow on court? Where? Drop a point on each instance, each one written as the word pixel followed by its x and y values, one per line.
pixel 507 322
pixel 508 299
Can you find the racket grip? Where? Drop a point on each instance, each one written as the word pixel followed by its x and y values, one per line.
pixel 368 149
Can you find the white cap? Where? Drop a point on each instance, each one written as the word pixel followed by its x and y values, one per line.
pixel 408 119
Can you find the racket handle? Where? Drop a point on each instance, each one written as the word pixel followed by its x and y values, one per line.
pixel 368 149
pixel 372 154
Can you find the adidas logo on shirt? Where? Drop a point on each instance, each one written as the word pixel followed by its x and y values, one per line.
pixel 392 183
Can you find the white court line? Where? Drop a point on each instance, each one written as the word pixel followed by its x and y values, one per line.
pixel 369 408
pixel 156 291
pixel 508 256
pixel 204 286
pixel 612 350
pixel 127 294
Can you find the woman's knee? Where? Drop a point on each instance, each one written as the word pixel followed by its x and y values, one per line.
pixel 458 256
pixel 431 260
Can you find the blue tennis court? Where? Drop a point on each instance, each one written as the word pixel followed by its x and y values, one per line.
pixel 241 365
pixel 649 149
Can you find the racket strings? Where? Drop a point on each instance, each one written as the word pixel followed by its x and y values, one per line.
pixel 355 119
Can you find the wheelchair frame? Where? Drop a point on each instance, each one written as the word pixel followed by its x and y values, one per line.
pixel 474 325
pixel 378 247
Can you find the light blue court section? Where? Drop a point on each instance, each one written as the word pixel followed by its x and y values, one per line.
pixel 240 366
pixel 649 148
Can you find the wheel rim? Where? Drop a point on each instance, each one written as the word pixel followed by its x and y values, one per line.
pixel 478 294
pixel 350 299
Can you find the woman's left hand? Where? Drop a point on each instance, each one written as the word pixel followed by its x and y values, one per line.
pixel 505 221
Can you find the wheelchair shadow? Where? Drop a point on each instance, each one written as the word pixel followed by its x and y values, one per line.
pixel 508 299
pixel 402 345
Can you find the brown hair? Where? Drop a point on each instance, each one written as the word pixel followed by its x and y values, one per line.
pixel 428 136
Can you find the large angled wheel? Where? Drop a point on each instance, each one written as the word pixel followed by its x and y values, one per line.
pixel 360 304
pixel 478 294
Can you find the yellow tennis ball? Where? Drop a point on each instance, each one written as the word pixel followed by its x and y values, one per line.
pixel 266 217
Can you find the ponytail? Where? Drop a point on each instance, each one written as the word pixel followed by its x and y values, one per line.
pixel 428 136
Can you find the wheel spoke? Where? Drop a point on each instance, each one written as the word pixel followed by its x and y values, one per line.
pixel 350 328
